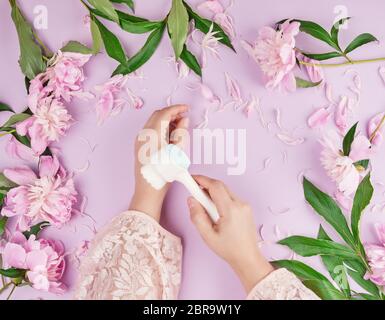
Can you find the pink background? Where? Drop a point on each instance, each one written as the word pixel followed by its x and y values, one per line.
pixel 108 183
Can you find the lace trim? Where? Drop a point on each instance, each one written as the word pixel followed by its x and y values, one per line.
pixel 132 258
pixel 281 285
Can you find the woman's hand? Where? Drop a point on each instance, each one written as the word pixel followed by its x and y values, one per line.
pixel 234 237
pixel 163 124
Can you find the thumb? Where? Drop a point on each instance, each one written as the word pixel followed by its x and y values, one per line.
pixel 200 219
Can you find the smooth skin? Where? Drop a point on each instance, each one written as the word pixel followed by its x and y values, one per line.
pixel 233 237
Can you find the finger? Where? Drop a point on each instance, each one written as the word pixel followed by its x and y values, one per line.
pixel 179 134
pixel 171 113
pixel 200 219
pixel 203 179
pixel 217 192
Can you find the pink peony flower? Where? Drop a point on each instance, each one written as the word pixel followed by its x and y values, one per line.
pixel 376 257
pixel 340 168
pixel 43 259
pixel 63 79
pixel 66 75
pixel 49 122
pixel 110 103
pixel 49 197
pixel 274 52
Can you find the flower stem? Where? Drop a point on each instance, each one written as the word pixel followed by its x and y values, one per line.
pixel 377 129
pixel 349 62
pixel 12 291
pixel 5 287
pixel 8 132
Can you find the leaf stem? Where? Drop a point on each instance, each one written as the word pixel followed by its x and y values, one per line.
pixel 8 132
pixel 5 287
pixel 12 291
pixel 349 62
pixel 47 52
pixel 377 129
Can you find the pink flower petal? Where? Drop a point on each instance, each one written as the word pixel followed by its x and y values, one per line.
pixel 341 115
pixel 48 166
pixel 372 125
pixel 318 118
pixel 212 5
pixel 233 88
pixel 289 140
pixel 16 149
pixel 380 231
pixel 22 175
pixel 360 149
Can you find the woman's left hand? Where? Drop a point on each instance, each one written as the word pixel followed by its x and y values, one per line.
pixel 169 126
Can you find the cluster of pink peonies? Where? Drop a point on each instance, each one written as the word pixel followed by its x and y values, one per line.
pixel 62 80
pixel 376 257
pixel 275 52
pixel 42 260
pixel 48 197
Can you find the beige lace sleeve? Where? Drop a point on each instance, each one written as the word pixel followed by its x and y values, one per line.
pixel 281 285
pixel 132 258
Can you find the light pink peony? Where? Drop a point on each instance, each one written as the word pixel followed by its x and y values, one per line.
pixel 63 79
pixel 340 168
pixel 49 197
pixel 376 257
pixel 274 52
pixel 111 102
pixel 43 259
pixel 49 122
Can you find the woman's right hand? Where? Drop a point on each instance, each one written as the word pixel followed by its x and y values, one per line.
pixel 234 237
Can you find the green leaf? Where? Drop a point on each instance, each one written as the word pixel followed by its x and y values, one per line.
pixel 139 27
pixel 97 40
pixel 322 56
pixel 132 23
pixel 143 55
pixel 177 24
pixel 34 230
pixel 128 3
pixel 335 30
pixel 75 46
pixel 302 83
pixel 3 223
pixel 22 139
pixel 204 25
pixel 335 266
pixel 6 183
pixel 316 31
pixel 13 273
pixel 361 201
pixel 357 271
pixel 307 247
pixel 360 40
pixel 348 140
pixel 189 59
pixel 312 279
pixel 31 57
pixel 326 207
pixel 16 118
pixel 5 107
pixel 362 164
pixel 106 7
pixel 111 43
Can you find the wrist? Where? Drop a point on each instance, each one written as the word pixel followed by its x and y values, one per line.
pixel 148 200
pixel 252 269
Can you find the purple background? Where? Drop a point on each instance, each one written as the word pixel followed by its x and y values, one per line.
pixel 108 183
